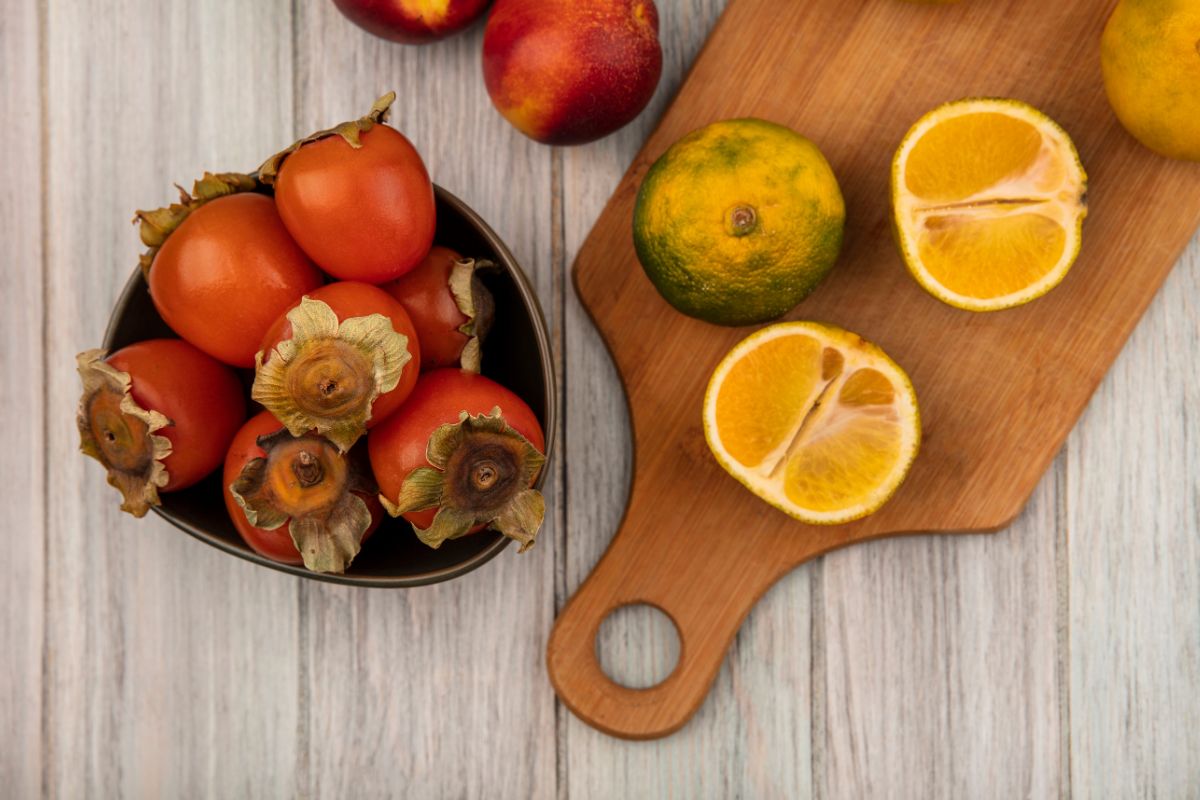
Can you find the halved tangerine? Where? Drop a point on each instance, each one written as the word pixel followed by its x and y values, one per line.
pixel 815 420
pixel 988 202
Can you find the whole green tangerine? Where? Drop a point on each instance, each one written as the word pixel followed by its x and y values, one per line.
pixel 738 222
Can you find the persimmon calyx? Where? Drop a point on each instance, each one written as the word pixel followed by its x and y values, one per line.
pixel 306 483
pixel 155 226
pixel 120 434
pixel 475 303
pixel 350 131
pixel 481 474
pixel 328 374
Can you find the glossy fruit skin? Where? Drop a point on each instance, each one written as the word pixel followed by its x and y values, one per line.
pixel 398 21
pixel 363 214
pixel 571 71
pixel 202 397
pixel 227 273
pixel 354 299
pixel 425 294
pixel 398 446
pixel 277 544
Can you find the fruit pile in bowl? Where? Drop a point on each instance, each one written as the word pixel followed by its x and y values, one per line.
pixel 331 367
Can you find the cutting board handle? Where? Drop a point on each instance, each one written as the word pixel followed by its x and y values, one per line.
pixel 700 578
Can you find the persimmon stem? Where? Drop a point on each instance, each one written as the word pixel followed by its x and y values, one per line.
pixel 484 475
pixel 307 469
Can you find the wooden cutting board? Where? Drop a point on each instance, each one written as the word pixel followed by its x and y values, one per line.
pixel 998 392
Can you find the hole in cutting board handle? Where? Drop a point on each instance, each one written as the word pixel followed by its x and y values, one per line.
pixel 637 645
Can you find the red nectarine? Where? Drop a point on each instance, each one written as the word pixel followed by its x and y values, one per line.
pixel 570 71
pixel 412 21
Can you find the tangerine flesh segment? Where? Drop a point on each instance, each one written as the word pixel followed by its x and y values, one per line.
pixel 766 394
pixel 991 256
pixel 867 387
pixel 846 461
pixel 963 156
pixel 832 362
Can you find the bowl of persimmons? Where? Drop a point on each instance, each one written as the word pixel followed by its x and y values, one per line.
pixel 329 366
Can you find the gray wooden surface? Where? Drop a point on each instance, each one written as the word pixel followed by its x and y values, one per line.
pixel 1060 657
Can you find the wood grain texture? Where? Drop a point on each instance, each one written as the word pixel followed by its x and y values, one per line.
pixel 980 378
pixel 1133 524
pixel 171 669
pixel 440 691
pixel 749 741
pixel 23 461
pixel 941 672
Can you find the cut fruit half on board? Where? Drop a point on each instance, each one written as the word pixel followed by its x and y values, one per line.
pixel 813 419
pixel 988 203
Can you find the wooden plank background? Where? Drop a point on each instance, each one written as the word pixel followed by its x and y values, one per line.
pixel 1060 657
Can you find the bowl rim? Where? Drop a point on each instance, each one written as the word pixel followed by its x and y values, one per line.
pixel 528 297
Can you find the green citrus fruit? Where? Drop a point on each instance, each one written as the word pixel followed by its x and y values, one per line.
pixel 738 222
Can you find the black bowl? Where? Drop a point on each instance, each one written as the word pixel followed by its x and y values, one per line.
pixel 516 354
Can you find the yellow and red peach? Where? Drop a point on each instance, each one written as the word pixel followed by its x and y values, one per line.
pixel 412 21
pixel 571 71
